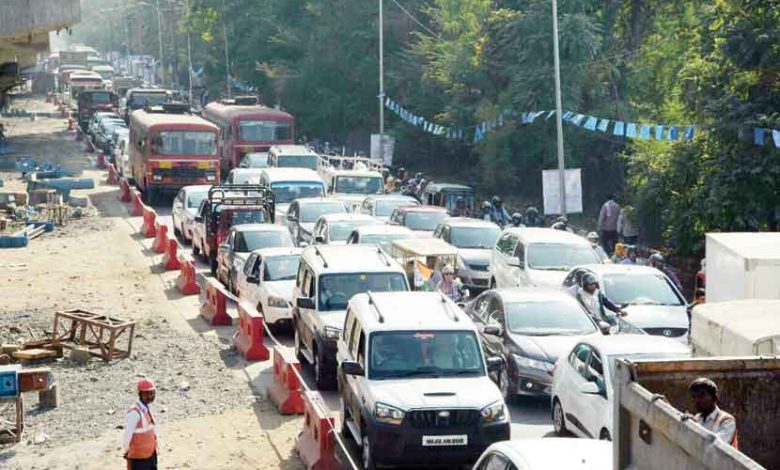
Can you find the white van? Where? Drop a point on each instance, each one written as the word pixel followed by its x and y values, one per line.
pixel 736 328
pixel 292 156
pixel 289 184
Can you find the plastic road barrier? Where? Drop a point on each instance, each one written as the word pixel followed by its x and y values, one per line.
pixel 124 190
pixel 285 390
pixel 186 282
pixel 160 244
pixel 137 210
pixel 113 177
pixel 171 259
pixel 150 218
pixel 101 160
pixel 70 124
pixel 249 337
pixel 79 134
pixel 213 306
pixel 316 445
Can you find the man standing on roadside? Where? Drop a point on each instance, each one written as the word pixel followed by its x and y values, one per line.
pixel 704 394
pixel 608 219
pixel 140 439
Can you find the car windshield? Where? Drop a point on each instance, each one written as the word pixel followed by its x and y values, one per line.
pixel 239 217
pixel 424 220
pixel 194 198
pixel 264 131
pixel 297 161
pixel 424 354
pixel 286 192
pixel 252 240
pixel 244 176
pixel 359 184
pixel 311 212
pixel 384 240
pixel 559 256
pixel 255 160
pixel 474 237
pixel 185 143
pixel 336 289
pixel 385 207
pixel 339 231
pixel 551 317
pixel 281 268
pixel 140 100
pixel 639 289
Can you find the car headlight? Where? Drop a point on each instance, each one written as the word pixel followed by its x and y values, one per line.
pixel 210 176
pixel 494 413
pixel 157 177
pixel 388 414
pixel 279 302
pixel 523 361
pixel 332 332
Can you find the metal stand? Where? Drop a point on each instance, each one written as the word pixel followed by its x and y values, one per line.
pixel 99 333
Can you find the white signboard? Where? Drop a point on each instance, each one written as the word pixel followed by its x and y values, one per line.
pixel 386 154
pixel 552 194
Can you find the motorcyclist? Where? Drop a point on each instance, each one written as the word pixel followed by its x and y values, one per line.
pixel 460 209
pixel 593 238
pixel 486 212
pixel 595 303
pixel 631 255
pixel 561 223
pixel 532 218
pixel 517 220
pixel 499 215
pixel 449 285
pixel 657 261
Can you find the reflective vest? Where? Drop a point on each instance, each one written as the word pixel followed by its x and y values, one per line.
pixel 144 442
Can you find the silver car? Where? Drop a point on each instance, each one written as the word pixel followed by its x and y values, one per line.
pixel 474 240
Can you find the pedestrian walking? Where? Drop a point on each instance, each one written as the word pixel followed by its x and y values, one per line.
pixel 626 225
pixel 608 219
pixel 140 438
pixel 704 394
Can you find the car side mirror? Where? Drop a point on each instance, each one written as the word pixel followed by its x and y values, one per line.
pixel 319 239
pixel 590 388
pixel 292 218
pixel 352 368
pixel 252 280
pixel 494 364
pixel 223 247
pixel 305 302
pixel 493 330
pixel 516 263
pixel 604 327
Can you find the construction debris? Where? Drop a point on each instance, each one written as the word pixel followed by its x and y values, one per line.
pixel 99 334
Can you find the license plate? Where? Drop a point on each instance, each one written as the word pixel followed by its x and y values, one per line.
pixel 457 440
pixel 204 165
pixel 165 165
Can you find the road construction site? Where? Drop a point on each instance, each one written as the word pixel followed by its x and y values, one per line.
pixel 212 406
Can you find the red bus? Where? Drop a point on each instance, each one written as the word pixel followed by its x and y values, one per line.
pixel 170 149
pixel 246 127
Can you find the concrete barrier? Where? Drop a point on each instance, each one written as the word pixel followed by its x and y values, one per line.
pixel 213 306
pixel 285 390
pixel 171 259
pixel 186 282
pixel 251 329
pixel 316 445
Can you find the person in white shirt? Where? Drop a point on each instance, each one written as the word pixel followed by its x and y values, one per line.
pixel 139 441
pixel 704 394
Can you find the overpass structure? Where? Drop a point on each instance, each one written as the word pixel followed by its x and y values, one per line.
pixel 24 31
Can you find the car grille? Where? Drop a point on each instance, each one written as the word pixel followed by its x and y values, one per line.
pixel 669 332
pixel 478 267
pixel 426 419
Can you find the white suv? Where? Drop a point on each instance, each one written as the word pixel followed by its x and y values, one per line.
pixel 267 281
pixel 414 384
pixel 327 278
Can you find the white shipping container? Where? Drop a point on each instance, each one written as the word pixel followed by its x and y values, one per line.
pixel 743 266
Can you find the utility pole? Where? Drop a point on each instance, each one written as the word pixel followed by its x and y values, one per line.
pixel 381 82
pixel 189 51
pixel 159 39
pixel 558 111
pixel 227 56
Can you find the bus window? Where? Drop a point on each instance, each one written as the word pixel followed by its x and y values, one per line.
pixel 264 131
pixel 184 143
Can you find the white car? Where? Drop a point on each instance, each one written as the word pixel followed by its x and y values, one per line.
pixel 582 381
pixel 382 235
pixel 334 229
pixel 381 206
pixel 243 176
pixel 474 239
pixel 539 257
pixel 242 240
pixel 289 184
pixel 185 208
pixel 547 453
pixel 652 301
pixel 268 282
pixel 353 186
pixel 303 214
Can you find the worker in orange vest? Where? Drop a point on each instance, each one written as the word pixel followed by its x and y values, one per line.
pixel 140 439
pixel 704 393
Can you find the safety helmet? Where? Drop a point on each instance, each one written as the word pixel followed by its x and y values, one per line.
pixel 418 175
pixel 146 385
pixel 459 200
pixel 516 217
pixel 657 258
pixel 485 205
pixel 532 210
pixel 495 200
pixel 593 237
pixel 447 269
pixel 588 278
pixel 562 219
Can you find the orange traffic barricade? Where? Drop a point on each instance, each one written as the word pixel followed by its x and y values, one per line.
pixel 186 282
pixel 213 306
pixel 251 330
pixel 285 390
pixel 316 445
pixel 171 259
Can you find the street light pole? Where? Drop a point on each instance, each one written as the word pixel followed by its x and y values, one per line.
pixel 558 110
pixel 159 40
pixel 381 82
pixel 227 56
pixel 189 52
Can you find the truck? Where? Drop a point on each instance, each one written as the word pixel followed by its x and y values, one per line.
pixel 742 266
pixel 80 59
pixel 92 101
pixel 652 418
pixel 736 328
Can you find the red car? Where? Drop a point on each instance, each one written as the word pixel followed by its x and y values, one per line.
pixel 423 220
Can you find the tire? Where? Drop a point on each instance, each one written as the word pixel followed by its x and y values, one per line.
pixel 604 435
pixel 492 283
pixel 559 419
pixel 323 381
pixel 297 345
pixel 177 232
pixel 344 430
pixel 503 385
pixel 367 452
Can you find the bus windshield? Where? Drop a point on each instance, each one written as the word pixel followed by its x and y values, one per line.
pixel 264 131
pixel 140 100
pixel 359 184
pixel 297 161
pixel 185 143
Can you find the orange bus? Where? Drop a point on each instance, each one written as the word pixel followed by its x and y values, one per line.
pixel 246 127
pixel 170 149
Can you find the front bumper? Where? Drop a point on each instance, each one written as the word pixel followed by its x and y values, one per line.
pixel 528 381
pixel 402 445
pixel 277 314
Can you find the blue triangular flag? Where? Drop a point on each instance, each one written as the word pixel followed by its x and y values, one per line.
pixel 549 115
pixel 689 131
pixel 776 137
pixel 674 133
pixel 500 120
pixel 758 136
pixel 644 133
pixel 603 124
pixel 591 123
pixel 388 101
pixel 619 128
pixel 631 130
pixel 577 120
pixel 659 132
pixel 567 115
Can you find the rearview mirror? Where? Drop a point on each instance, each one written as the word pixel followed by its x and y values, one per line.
pixel 493 330
pixel 352 368
pixel 305 302
pixel 590 388
pixel 223 247
pixel 292 218
pixel 319 239
pixel 252 280
pixel 494 364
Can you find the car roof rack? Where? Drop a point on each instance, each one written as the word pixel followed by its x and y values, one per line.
pixel 447 308
pixel 383 255
pixel 373 304
pixel 322 257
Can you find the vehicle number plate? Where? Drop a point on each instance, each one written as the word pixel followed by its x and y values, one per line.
pixel 457 440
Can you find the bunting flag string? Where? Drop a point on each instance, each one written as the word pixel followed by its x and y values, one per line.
pixel 632 130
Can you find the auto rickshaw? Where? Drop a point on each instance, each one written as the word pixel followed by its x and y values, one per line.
pixel 423 259
pixel 446 195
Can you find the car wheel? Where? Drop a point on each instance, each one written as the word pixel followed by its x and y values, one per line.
pixel 492 283
pixel 297 345
pixel 559 421
pixel 343 419
pixel 503 385
pixel 367 453
pixel 213 264
pixel 176 231
pixel 604 435
pixel 323 381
